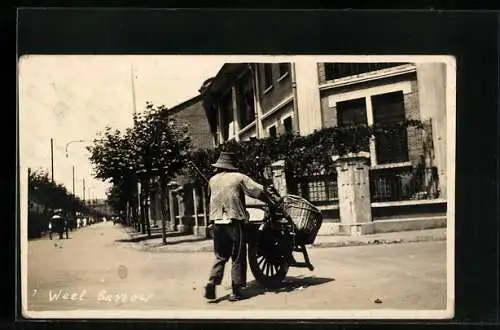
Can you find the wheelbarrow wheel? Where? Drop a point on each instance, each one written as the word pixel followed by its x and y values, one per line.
pixel 268 268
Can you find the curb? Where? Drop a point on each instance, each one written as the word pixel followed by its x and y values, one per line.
pixel 209 248
pixel 380 241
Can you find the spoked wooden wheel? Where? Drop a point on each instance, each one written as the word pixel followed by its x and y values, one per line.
pixel 268 268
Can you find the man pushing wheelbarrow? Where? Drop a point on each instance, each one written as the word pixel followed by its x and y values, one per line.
pixel 290 224
pixel 229 215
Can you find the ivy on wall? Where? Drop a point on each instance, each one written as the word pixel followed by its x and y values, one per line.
pixel 301 154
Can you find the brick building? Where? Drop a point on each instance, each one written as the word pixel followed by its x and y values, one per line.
pixel 266 99
pixel 191 112
pixel 185 200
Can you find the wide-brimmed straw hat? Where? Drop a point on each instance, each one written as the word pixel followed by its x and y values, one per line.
pixel 226 161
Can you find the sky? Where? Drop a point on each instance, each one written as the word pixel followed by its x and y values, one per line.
pixel 70 98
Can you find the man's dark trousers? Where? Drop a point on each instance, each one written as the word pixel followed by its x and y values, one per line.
pixel 229 242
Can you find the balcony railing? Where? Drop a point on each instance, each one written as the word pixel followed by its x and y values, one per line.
pixel 340 70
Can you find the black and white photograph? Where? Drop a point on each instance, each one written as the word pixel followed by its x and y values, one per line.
pixel 237 187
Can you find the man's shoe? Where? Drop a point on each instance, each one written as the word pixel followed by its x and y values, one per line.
pixel 210 291
pixel 236 295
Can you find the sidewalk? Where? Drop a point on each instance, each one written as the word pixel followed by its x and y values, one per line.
pixel 177 242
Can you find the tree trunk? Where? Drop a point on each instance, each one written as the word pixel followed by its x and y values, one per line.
pixel 164 211
pixel 140 206
pixel 146 208
pixel 146 214
pixel 136 217
pixel 143 197
pixel 143 220
pixel 131 215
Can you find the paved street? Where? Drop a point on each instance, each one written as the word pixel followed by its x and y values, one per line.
pixel 93 271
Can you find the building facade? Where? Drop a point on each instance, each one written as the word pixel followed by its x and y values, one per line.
pixel 259 100
pixel 248 100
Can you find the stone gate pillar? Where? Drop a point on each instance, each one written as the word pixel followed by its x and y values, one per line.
pixel 171 200
pixel 200 228
pixel 182 227
pixel 354 193
pixel 279 178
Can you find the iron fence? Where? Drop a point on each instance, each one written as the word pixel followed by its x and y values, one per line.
pixel 316 186
pixel 403 183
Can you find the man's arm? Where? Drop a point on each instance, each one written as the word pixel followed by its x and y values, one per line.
pixel 209 193
pixel 256 190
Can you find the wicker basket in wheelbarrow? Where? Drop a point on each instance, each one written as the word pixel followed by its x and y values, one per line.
pixel 306 217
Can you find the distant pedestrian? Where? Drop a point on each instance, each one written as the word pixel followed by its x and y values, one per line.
pixel 59 223
pixel 228 212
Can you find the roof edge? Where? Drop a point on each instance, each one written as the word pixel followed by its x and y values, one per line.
pixel 181 105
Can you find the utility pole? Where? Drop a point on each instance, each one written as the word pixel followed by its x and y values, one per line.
pixel 67 155
pixel 134 109
pixel 133 90
pixel 295 101
pixel 29 174
pixel 52 157
pixel 83 190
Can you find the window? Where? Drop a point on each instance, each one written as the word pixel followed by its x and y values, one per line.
pixel 329 71
pixel 268 75
pixel 284 69
pixel 287 125
pixel 389 109
pixel 227 115
pixel 246 106
pixel 353 112
pixel 340 70
pixel 272 131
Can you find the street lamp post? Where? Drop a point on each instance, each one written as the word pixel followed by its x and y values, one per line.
pixel 67 145
pixel 52 158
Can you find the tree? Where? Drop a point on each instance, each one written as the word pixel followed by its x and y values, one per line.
pixel 161 148
pixel 45 196
pixel 112 157
pixel 151 153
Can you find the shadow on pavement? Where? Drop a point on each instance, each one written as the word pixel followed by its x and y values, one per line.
pixel 60 239
pixel 290 284
pixel 139 237
pixel 47 237
pixel 143 237
pixel 187 240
